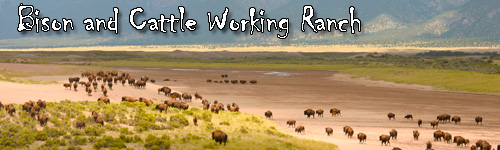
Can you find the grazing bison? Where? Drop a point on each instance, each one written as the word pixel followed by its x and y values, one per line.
pixel 447 137
pixel 429 145
pixel 409 116
pixel 128 99
pixel 219 136
pixel 95 115
pixel 105 92
pixel 195 121
pixel 385 139
pixel 416 134
pixel 162 107
pixel 73 79
pixel 456 119
pixel 434 123
pixel 291 123
pixel 419 122
pixel 206 106
pixel 243 81
pixel 394 134
pixel 438 135
pixel 99 120
pixel 67 86
pixel 253 81
pixel 145 101
pixel 175 95
pixel 110 85
pixel 268 114
pixel 462 141
pixel 335 111
pixel 234 81
pixel 186 97
pixel 103 99
pixel 300 129
pixel 42 104
pixel 328 131
pixel 391 115
pixel 10 109
pixel 27 106
pixel 362 137
pixel 75 86
pixel 197 96
pixel 309 112
pixel 80 124
pixel 479 120
pixel 42 119
pixel 444 118
pixel 89 91
pixel 226 81
pixel 153 81
pixel 209 80
pixel 33 112
pixel 319 112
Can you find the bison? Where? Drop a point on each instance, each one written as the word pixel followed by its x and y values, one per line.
pixel 300 129
pixel 105 100
pixel 434 123
pixel 42 119
pixel 385 139
pixel 328 131
pixel 394 134
pixel 80 124
pixel 67 86
pixel 197 96
pixel 335 112
pixel 128 99
pixel 219 136
pixel 416 134
pixel 10 109
pixel 42 104
pixel 409 116
pixel 438 135
pixel 456 119
pixel 162 107
pixel 349 132
pixel 243 81
pixel 73 79
pixel 145 101
pixel 362 137
pixel 99 120
pixel 419 122
pixel 479 120
pixel 253 81
pixel 319 112
pixel 291 123
pixel 391 116
pixel 269 114
pixel 447 137
pixel 309 112
pixel 195 120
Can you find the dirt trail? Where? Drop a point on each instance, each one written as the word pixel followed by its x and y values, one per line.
pixel 289 92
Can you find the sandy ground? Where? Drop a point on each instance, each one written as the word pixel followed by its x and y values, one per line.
pixel 287 93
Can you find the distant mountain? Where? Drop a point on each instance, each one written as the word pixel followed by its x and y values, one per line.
pixel 383 22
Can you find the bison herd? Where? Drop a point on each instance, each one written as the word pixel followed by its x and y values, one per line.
pixel 230 81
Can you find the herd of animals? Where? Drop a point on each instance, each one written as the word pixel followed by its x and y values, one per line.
pixel 393 134
pixel 180 101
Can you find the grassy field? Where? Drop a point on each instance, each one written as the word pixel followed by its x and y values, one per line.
pixel 221 65
pixel 136 126
pixel 466 81
pixel 9 75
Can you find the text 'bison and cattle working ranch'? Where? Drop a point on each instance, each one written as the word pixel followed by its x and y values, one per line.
pixel 170 108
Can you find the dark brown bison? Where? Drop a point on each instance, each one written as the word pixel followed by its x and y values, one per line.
pixel 89 91
pixel 42 104
pixel 195 120
pixel 33 112
pixel 169 103
pixel 226 81
pixel 416 134
pixel 103 99
pixel 447 137
pixel 183 106
pixel 99 120
pixel 223 75
pixel 419 122
pixel 162 107
pixel 319 112
pixel 483 145
pixel 1 105
pixel 219 136
pixel 268 114
pixel 197 96
pixel 300 129
pixel 456 119
pixel 362 137
pixel 253 81
pixel 444 118
pixel 110 85
pixel 73 79
pixel 67 86
pixel 186 97
pixel 479 120
pixel 429 145
pixel 145 101
pixel 153 81
pixel 394 134
pixel 42 119
pixel 434 123
pixel 291 123
pixel 438 135
pixel 409 116
pixel 385 139
pixel 461 141
pixel 128 99
pixel 206 106
pixel 75 86
pixel 10 109
pixel 234 81
pixel 175 95
pixel 309 113
pixel 80 124
pixel 243 81
pixel 209 80
pixel 95 115
pixel 391 116
pixel 348 131
pixel 145 78
pixel 335 112
pixel 328 131
pixel 105 92
pixel 27 106
pixel 396 148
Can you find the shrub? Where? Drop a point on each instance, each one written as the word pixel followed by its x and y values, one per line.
pixel 53 132
pixel 41 136
pixel 92 131
pixel 79 140
pixel 124 130
pixel 109 142
pixel 206 116
pixel 54 143
pixel 178 120
pixel 153 142
pixel 76 132
pixel 224 123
